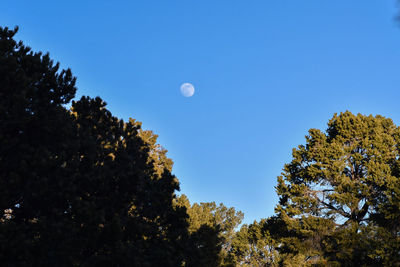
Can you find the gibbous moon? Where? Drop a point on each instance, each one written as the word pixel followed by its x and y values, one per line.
pixel 187 89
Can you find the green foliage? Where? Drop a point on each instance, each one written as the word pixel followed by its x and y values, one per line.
pixel 254 246
pixel 157 154
pixel 212 231
pixel 36 135
pixel 78 187
pixel 341 191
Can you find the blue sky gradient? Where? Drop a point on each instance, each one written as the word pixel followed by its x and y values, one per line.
pixel 264 71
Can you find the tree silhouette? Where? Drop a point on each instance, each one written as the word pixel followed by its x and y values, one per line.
pixel 78 187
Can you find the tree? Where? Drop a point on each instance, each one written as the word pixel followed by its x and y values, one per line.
pixel 78 187
pixel 340 193
pixel 124 188
pixel 37 141
pixel 212 230
pixel 157 153
pixel 253 245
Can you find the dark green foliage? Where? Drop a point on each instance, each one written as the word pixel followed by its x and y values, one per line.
pixel 78 187
pixel 205 247
pixel 339 197
pixel 121 189
pixel 254 246
pixel 36 135
pixel 212 231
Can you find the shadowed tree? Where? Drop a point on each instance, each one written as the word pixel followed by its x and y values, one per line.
pixel 37 136
pixel 124 189
pixel 78 187
pixel 212 230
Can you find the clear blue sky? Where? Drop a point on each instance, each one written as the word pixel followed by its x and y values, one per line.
pixel 264 71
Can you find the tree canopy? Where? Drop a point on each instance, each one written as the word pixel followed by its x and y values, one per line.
pixel 80 186
pixel 340 193
pixel 212 230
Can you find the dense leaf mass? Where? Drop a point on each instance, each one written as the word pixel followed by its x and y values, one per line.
pixel 80 187
pixel 211 232
pixel 339 197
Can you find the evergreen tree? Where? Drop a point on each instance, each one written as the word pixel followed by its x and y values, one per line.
pixel 122 187
pixel 212 231
pixel 254 246
pixel 78 187
pixel 37 136
pixel 340 194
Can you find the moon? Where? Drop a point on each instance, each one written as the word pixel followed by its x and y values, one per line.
pixel 187 89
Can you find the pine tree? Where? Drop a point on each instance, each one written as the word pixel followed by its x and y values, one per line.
pixel 211 232
pixel 119 180
pixel 37 136
pixel 335 190
pixel 254 246
pixel 78 187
